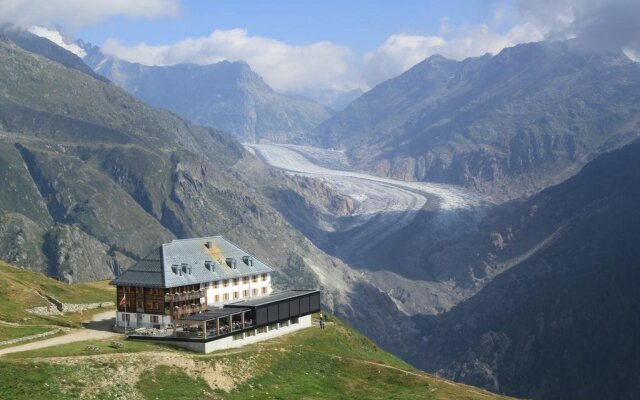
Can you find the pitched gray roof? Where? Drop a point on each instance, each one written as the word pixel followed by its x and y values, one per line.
pixel 182 262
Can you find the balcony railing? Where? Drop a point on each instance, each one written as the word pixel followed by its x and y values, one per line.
pixel 184 296
pixel 179 312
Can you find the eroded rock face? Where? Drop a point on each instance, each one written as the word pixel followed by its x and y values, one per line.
pixel 79 257
pixel 326 197
pixel 21 242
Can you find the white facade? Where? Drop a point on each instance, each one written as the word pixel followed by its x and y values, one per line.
pixel 140 320
pixel 235 289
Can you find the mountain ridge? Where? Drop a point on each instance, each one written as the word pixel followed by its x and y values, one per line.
pixel 478 122
pixel 227 95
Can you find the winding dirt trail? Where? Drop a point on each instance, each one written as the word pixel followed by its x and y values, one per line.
pixel 98 328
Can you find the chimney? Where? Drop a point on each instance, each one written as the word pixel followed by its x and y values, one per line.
pixel 208 265
pixel 174 268
pixel 231 262
pixel 208 244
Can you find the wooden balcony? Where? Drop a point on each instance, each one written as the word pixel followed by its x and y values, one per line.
pixel 184 296
pixel 179 312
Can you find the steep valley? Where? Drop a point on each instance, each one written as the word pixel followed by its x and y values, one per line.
pixel 418 235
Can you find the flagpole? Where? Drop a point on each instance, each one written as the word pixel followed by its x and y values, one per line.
pixel 125 312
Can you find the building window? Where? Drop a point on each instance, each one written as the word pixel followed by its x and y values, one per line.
pixel 264 290
pixel 254 292
pixel 236 295
pixel 126 317
pixel 245 280
pixel 245 293
pixel 215 284
pixel 236 281
pixel 155 319
pixel 294 321
pixel 226 282
pixel 254 278
pixel 273 327
pixel 264 277
pixel 225 296
pixel 217 298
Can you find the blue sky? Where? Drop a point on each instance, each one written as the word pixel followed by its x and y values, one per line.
pixel 362 25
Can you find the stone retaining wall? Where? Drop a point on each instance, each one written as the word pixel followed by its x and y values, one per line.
pixel 58 308
pixel 24 339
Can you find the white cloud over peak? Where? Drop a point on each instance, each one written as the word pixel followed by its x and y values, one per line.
pixel 597 24
pixel 27 13
pixel 326 65
pixel 400 52
pixel 283 66
pixel 600 24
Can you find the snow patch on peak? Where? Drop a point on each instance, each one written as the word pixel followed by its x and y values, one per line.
pixel 57 38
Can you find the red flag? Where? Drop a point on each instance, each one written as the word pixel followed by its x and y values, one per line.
pixel 123 300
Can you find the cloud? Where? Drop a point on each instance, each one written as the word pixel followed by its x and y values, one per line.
pixel 283 66
pixel 596 24
pixel 323 65
pixel 400 52
pixel 599 24
pixel 26 13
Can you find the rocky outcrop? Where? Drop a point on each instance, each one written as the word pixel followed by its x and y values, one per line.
pixel 21 242
pixel 78 257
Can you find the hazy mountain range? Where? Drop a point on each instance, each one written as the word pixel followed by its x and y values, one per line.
pixel 229 96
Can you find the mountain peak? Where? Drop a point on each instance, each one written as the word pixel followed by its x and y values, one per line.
pixel 227 95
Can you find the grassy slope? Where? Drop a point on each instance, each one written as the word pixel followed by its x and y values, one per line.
pixel 20 289
pixel 333 363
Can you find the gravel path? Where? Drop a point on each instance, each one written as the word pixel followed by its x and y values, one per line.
pixel 98 328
